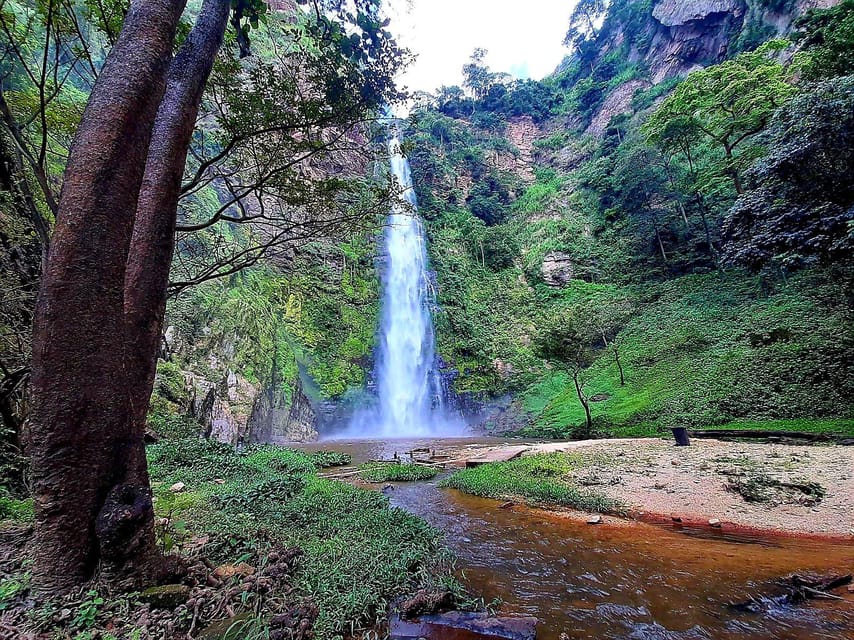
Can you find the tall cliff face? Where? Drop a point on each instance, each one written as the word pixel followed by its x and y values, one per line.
pixel 670 38
pixel 685 34
pixel 678 36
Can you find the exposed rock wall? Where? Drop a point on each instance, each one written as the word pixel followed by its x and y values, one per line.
pixel 680 36
pixel 275 420
pixel 230 408
pixel 676 13
pixel 618 102
pixel 521 133
pixel 687 34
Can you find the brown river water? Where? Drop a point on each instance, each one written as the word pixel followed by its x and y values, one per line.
pixel 627 581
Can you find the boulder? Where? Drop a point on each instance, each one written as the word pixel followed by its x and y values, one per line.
pixel 484 625
pixel 426 602
pixel 558 269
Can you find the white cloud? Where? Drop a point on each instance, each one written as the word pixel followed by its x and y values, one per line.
pixel 524 39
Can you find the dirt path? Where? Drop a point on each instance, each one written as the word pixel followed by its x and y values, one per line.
pixel 763 487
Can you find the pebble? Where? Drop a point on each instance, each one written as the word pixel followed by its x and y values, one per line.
pixel 594 520
pixel 178 487
pixel 714 522
pixel 676 518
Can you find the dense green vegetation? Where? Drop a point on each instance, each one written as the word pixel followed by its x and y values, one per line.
pixel 689 265
pixel 709 349
pixel 319 316
pixel 358 554
pixel 542 480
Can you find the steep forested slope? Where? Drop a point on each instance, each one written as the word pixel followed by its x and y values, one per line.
pixel 667 249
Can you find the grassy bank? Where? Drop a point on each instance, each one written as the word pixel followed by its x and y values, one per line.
pixel 357 554
pixel 393 472
pixel 710 351
pixel 540 480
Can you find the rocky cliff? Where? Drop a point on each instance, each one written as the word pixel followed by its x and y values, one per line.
pixel 678 36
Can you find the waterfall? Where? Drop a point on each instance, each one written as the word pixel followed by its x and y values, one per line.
pixel 410 394
pixel 407 387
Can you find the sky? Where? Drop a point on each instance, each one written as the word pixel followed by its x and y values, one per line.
pixel 523 38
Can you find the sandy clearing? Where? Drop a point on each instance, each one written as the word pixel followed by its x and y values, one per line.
pixel 659 480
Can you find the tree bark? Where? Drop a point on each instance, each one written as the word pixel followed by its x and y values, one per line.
pixel 619 365
pixel 583 400
pixel 92 499
pixel 153 243
pixel 660 243
pixel 733 172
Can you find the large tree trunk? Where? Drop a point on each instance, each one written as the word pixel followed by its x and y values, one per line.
pixel 92 499
pixel 153 242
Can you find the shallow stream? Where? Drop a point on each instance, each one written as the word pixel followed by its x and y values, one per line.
pixel 628 581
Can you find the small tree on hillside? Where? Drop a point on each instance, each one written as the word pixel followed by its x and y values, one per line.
pixel 609 314
pixel 478 78
pixel 583 27
pixel 566 341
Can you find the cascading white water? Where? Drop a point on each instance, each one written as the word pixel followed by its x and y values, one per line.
pixel 410 399
pixel 409 390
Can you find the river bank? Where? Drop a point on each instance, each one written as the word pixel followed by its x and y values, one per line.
pixel 258 540
pixel 753 487
pixel 770 488
pixel 621 578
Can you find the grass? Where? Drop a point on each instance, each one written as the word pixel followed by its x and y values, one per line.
pixel 360 553
pixel 833 426
pixel 331 458
pixel 708 352
pixel 542 480
pixel 395 472
pixel 14 509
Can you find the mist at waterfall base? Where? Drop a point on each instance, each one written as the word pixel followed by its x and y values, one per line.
pixel 410 398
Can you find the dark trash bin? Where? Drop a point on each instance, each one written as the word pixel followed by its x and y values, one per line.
pixel 681 436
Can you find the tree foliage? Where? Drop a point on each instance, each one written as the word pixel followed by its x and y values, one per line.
pixel 827 41
pixel 729 103
pixel 798 208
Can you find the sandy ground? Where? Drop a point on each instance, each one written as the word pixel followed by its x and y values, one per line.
pixel 660 481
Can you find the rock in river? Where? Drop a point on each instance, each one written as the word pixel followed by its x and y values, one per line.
pixel 480 625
